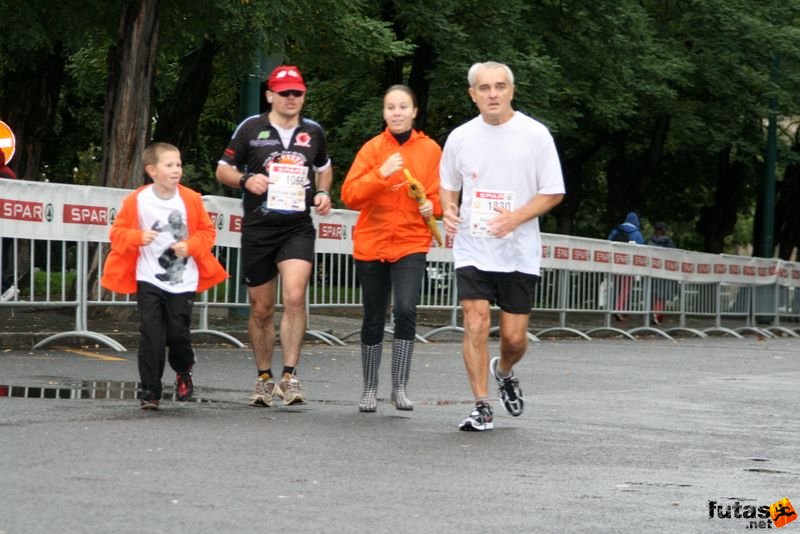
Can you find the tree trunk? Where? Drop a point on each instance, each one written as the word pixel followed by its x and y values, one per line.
pixel 392 68
pixel 718 220
pixel 131 64
pixel 655 155
pixel 621 196
pixel 573 161
pixel 29 106
pixel 421 65
pixel 787 216
pixel 179 114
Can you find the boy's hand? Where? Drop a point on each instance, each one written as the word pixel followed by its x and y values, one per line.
pixel 181 249
pixel 148 236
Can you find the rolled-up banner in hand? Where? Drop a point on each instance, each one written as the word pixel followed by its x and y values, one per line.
pixel 417 192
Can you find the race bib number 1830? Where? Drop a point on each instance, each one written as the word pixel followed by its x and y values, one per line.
pixel 484 202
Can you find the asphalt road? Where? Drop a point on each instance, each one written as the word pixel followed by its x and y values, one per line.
pixel 617 436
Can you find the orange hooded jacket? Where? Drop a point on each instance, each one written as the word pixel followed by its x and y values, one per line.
pixel 119 271
pixel 390 226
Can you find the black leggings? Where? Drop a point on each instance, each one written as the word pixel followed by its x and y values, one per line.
pixel 404 279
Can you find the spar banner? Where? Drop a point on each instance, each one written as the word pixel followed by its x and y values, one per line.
pixel 595 255
pixel 41 210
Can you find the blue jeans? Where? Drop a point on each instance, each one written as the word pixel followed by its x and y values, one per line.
pixel 403 279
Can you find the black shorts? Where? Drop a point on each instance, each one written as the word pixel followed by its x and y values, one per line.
pixel 264 247
pixel 512 292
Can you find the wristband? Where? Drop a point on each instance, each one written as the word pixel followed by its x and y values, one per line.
pixel 321 192
pixel 243 180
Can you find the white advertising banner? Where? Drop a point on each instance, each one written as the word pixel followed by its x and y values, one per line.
pixel 41 210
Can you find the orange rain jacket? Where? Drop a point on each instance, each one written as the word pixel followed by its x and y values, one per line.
pixel 390 226
pixel 119 271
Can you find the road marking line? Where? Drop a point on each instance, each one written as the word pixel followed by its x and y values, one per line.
pixel 92 355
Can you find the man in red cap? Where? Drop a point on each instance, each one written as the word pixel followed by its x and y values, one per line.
pixel 279 160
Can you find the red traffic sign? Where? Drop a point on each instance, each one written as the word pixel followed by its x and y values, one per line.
pixel 7 142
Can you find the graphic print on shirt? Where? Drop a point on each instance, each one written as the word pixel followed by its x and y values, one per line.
pixel 169 261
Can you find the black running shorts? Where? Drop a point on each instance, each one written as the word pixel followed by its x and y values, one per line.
pixel 264 247
pixel 512 292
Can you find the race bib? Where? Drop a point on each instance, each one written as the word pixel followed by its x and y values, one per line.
pixel 287 190
pixel 484 202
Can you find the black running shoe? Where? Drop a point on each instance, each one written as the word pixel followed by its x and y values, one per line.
pixel 509 390
pixel 479 419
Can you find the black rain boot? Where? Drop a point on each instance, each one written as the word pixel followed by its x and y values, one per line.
pixel 370 364
pixel 402 350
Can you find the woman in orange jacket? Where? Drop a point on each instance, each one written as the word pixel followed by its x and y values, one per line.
pixel 391 237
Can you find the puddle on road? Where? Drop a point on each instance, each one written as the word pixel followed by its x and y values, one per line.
pixel 94 389
pixel 115 390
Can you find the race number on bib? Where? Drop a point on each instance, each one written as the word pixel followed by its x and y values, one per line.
pixel 287 187
pixel 484 202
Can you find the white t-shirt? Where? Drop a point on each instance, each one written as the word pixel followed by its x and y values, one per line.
pixel 510 163
pixel 157 264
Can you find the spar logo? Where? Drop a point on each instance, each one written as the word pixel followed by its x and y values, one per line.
pixel 79 214
pixel 775 515
pixel 332 231
pixel 20 210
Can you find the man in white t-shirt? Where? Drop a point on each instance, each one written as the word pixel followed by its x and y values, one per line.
pixel 506 166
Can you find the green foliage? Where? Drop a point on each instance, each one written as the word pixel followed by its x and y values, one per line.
pixel 57 282
pixel 604 76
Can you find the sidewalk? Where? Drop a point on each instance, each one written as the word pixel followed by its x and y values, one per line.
pixel 24 327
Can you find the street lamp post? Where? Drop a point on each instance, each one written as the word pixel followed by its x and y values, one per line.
pixel 768 211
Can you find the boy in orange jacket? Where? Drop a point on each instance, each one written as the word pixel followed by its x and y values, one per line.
pixel 161 250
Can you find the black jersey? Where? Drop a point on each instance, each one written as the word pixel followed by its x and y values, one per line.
pixel 256 144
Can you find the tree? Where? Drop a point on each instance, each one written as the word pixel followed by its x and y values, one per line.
pixel 131 66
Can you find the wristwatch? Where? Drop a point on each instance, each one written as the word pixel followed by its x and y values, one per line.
pixel 246 176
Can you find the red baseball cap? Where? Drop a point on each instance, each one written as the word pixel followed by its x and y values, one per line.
pixel 285 78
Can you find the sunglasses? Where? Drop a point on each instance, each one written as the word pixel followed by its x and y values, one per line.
pixel 291 92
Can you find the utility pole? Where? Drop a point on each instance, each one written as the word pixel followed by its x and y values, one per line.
pixel 767 245
pixel 768 205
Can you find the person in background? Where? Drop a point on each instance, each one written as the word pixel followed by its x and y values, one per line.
pixel 661 290
pixel 391 238
pixel 506 167
pixel 279 160
pixel 8 289
pixel 627 232
pixel 5 170
pixel 660 237
pixel 165 268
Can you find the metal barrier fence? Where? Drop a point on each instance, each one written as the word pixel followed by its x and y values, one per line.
pixel 55 241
